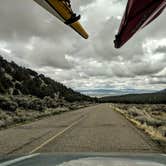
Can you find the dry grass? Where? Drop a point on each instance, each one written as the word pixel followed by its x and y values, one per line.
pixel 23 116
pixel 150 118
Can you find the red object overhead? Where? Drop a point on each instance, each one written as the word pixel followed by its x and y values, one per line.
pixel 138 14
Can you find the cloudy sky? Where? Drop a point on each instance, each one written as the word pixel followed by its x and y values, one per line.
pixel 33 38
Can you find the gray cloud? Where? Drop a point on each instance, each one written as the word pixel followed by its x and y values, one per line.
pixel 161 49
pixel 34 38
pixel 87 2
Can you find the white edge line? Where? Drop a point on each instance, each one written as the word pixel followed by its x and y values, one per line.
pixel 10 162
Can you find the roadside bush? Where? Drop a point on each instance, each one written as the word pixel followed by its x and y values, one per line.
pixel 9 120
pixel 141 119
pixel 36 104
pixel 2 123
pixel 2 89
pixel 150 122
pixel 49 102
pixel 7 83
pixel 156 113
pixel 154 123
pixel 162 130
pixel 135 112
pixel 22 103
pixel 8 105
pixel 20 119
pixel 15 92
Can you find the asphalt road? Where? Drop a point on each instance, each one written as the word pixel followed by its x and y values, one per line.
pixel 93 129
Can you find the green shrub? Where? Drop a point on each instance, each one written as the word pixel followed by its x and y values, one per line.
pixel 6 82
pixel 36 104
pixel 2 89
pixel 15 92
pixel 7 104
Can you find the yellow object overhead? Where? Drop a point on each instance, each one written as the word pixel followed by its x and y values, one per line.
pixel 62 10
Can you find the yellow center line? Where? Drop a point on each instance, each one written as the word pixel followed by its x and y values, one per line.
pixel 57 135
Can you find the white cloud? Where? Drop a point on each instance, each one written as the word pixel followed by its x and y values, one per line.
pixel 34 38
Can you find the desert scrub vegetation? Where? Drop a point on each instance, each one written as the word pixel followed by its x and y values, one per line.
pixel 17 80
pixel 149 117
pixel 25 108
pixel 26 95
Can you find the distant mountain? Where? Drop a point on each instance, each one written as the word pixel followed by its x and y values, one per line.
pixel 163 91
pixel 16 80
pixel 99 92
pixel 113 92
pixel 145 98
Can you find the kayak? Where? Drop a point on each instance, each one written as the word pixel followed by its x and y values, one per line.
pixel 138 14
pixel 62 10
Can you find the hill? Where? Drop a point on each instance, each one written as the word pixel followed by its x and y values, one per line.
pixel 16 80
pixel 26 95
pixel 163 91
pixel 145 98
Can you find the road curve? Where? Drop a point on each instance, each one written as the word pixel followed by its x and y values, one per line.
pixel 92 129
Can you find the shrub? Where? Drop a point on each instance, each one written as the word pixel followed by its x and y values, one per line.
pixel 8 105
pixel 36 104
pixel 135 112
pixel 150 121
pixel 2 89
pixel 162 130
pixel 6 82
pixel 22 88
pixel 22 103
pixel 2 123
pixel 49 102
pixel 15 92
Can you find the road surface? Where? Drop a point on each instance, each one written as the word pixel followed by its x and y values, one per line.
pixel 92 129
